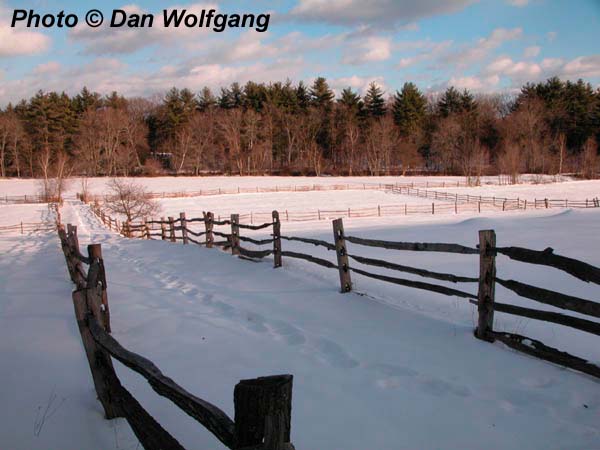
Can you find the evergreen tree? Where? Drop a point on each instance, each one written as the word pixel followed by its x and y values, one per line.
pixel 206 99
pixel 302 96
pixel 409 109
pixel 467 102
pixel 225 99
pixel 349 98
pixel 374 101
pixel 451 102
pixel 255 95
pixel 236 95
pixel 116 101
pixel 321 96
pixel 86 100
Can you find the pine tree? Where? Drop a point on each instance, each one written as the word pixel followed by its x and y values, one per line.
pixel 409 109
pixel 451 102
pixel 237 95
pixel 321 96
pixel 302 96
pixel 206 99
pixel 86 100
pixel 374 101
pixel 349 98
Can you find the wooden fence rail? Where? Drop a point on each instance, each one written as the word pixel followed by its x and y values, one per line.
pixel 487 279
pixel 262 405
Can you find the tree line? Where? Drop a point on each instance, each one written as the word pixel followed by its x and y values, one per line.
pixel 552 127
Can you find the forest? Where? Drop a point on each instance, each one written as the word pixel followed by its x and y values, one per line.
pixel 282 128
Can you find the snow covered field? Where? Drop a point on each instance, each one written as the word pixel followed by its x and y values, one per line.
pixel 394 369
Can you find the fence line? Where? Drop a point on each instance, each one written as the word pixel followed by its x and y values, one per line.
pixel 486 279
pixel 262 405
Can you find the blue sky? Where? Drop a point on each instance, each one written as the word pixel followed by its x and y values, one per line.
pixel 484 46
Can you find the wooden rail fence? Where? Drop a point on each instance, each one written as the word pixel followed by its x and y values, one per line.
pixel 262 405
pixel 486 279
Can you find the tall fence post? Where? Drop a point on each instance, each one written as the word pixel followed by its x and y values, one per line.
pixel 103 373
pixel 487 284
pixel 146 232
pixel 163 229
pixel 208 225
pixel 184 233
pixel 171 229
pixel 276 240
pixel 95 254
pixel 342 255
pixel 263 413
pixel 235 234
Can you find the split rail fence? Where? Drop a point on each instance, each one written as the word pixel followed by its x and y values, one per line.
pixel 181 229
pixel 262 405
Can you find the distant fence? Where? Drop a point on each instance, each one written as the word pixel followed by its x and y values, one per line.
pixel 181 229
pixel 29 227
pixel 22 199
pixel 447 203
pixel 503 203
pixel 262 405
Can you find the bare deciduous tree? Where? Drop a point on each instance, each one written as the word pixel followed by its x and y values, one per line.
pixel 130 200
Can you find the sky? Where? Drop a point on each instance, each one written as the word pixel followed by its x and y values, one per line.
pixel 485 46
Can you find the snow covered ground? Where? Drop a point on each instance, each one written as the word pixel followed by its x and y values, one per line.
pixel 396 368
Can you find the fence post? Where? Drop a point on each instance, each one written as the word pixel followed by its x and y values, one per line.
pixel 184 233
pixel 235 234
pixel 342 255
pixel 103 373
pixel 263 413
pixel 487 284
pixel 208 226
pixel 546 202
pixel 146 230
pixel 378 210
pixel 163 229
pixel 171 229
pixel 95 253
pixel 276 240
pixel 21 227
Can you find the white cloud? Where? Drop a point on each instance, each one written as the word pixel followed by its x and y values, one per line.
pixel 47 68
pixel 432 50
pixel 483 47
pixel 532 52
pixel 360 84
pixel 475 83
pixel 370 49
pixel 19 41
pixel 106 40
pixel 373 12
pixel 582 67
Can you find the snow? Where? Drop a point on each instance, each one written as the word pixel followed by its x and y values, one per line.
pixel 393 368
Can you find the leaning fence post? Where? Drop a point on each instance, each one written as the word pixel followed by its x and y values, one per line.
pixel 163 229
pixel 184 233
pixel 276 240
pixel 487 284
pixel 95 253
pixel 171 229
pixel 263 413
pixel 208 225
pixel 342 255
pixel 103 373
pixel 235 234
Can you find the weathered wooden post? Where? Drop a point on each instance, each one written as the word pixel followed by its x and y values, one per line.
pixel 163 229
pixel 546 202
pixel 145 228
pixel 263 413
pixel 487 284
pixel 171 229
pixel 184 233
pixel 103 373
pixel 95 255
pixel 342 255
pixel 208 225
pixel 276 240
pixel 235 234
